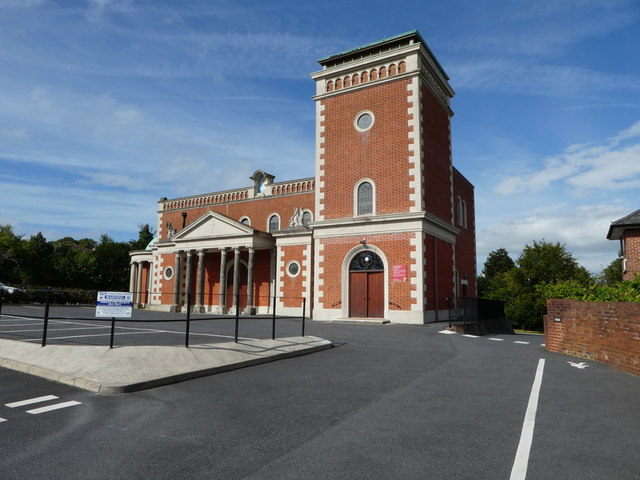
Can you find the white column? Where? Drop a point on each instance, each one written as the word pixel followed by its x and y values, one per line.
pixel 223 280
pixel 250 309
pixel 199 307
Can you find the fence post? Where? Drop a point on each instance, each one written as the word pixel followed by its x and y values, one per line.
pixel 304 311
pixel 113 327
pixel 186 339
pixel 273 320
pixel 46 319
pixel 237 314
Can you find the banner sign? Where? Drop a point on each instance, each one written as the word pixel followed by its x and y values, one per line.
pixel 114 304
pixel 399 273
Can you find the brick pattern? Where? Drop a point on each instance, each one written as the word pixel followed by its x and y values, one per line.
pixel 396 248
pixel 292 289
pixel 632 253
pixel 465 248
pixel 380 153
pixel 606 332
pixel 437 157
pixel 258 210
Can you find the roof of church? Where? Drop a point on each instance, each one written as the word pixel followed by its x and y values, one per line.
pixel 385 41
pixel 619 226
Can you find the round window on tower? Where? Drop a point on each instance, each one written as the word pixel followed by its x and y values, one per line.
pixel 293 269
pixel 364 121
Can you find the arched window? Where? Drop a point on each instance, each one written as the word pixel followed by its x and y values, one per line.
pixel 274 223
pixel 245 221
pixel 306 219
pixel 364 199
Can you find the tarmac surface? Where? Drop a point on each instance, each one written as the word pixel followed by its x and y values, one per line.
pixel 122 369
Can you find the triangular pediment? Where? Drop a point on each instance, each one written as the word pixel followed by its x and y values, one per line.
pixel 213 225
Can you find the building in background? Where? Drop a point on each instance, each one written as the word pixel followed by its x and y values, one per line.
pixel 384 230
pixel 627 231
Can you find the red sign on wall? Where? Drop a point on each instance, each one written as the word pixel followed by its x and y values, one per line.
pixel 399 273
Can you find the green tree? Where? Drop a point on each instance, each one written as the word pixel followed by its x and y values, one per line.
pixel 612 273
pixel 112 264
pixel 497 263
pixel 11 254
pixel 145 235
pixel 37 268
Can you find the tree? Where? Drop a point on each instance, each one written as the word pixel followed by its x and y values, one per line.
pixel 11 253
pixel 112 264
pixel 145 235
pixel 497 263
pixel 612 273
pixel 521 287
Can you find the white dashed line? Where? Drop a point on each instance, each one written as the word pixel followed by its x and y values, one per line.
pixel 55 406
pixel 496 339
pixel 447 332
pixel 470 336
pixel 3 420
pixel 519 342
pixel 30 401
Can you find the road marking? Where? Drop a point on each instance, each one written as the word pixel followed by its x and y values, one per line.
pixel 3 420
pixel 519 470
pixel 447 332
pixel 54 329
pixel 521 342
pixel 55 406
pixel 30 401
pixel 470 336
pixel 542 345
pixel 496 339
pixel 580 365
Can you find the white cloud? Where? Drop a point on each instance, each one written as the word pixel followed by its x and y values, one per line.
pixel 611 166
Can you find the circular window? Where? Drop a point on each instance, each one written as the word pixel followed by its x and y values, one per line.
pixel 293 269
pixel 168 273
pixel 364 121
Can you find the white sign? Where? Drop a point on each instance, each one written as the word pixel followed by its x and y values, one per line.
pixel 114 304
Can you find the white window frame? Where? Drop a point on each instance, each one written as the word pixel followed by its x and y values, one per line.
pixel 355 198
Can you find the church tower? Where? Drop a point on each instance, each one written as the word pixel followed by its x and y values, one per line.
pixel 386 225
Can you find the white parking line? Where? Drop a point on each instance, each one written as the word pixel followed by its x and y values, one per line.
pixel 521 342
pixel 3 420
pixel 55 406
pixel 53 329
pixel 470 336
pixel 30 401
pixel 496 339
pixel 519 470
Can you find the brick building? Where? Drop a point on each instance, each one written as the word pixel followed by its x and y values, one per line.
pixel 627 231
pixel 385 229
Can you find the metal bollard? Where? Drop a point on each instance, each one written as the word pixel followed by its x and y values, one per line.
pixel 46 320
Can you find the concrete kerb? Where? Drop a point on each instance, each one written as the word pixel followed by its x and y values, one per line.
pixel 128 369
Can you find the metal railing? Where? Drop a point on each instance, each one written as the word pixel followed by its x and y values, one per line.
pixel 50 297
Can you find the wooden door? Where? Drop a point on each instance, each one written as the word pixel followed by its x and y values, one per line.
pixel 366 294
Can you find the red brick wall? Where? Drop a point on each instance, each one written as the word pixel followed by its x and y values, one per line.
pixel 380 153
pixel 606 332
pixel 397 250
pixel 258 210
pixel 438 273
pixel 292 289
pixel 437 156
pixel 632 253
pixel 466 241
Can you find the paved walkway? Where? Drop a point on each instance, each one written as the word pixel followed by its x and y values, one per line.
pixel 127 369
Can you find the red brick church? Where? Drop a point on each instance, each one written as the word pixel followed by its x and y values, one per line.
pixel 385 229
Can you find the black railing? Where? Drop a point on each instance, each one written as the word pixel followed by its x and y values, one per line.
pixel 73 297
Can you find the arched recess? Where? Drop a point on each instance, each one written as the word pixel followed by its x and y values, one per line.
pixel 364 200
pixel 364 283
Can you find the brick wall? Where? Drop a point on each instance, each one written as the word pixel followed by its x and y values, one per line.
pixel 632 253
pixel 606 332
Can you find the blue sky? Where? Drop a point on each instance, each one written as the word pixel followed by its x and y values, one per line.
pixel 108 105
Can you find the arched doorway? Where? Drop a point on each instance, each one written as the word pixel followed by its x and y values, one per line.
pixel 366 286
pixel 242 269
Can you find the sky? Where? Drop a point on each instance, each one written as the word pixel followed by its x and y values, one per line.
pixel 108 105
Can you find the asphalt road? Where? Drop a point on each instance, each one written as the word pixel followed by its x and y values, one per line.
pixel 389 401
